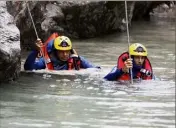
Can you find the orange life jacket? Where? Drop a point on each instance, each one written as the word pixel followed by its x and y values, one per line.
pixel 72 63
pixel 126 76
pixel 44 53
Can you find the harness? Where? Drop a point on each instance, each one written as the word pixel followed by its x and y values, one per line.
pixel 147 66
pixel 72 62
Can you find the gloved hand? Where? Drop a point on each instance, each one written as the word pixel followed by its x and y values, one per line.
pixel 76 59
pixel 127 65
pixel 38 44
pixel 74 54
pixel 146 72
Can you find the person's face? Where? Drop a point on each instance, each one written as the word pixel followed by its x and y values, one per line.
pixel 63 55
pixel 139 60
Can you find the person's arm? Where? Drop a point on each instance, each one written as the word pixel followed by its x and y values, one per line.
pixel 86 64
pixel 114 74
pixel 31 62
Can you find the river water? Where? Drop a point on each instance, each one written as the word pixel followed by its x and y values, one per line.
pixel 86 100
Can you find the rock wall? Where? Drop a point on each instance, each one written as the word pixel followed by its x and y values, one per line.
pixel 78 19
pixel 9 46
pixel 143 8
pixel 75 19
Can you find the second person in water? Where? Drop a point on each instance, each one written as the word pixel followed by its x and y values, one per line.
pixel 139 62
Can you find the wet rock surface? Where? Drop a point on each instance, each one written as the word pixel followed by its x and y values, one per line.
pixel 9 46
pixel 74 19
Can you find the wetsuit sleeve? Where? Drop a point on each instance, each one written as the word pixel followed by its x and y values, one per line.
pixel 86 64
pixel 114 74
pixel 31 62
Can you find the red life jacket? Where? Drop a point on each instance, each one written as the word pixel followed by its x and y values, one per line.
pixel 49 64
pixel 126 76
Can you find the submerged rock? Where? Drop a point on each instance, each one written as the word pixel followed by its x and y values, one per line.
pixel 9 46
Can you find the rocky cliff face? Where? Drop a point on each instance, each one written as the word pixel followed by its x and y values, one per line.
pixel 9 46
pixel 143 8
pixel 78 19
pixel 74 19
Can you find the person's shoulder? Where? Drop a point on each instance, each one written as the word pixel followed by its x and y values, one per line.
pixel 50 45
pixel 114 69
pixel 82 58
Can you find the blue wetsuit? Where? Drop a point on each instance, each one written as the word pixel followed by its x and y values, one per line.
pixel 39 63
pixel 114 74
pixel 117 73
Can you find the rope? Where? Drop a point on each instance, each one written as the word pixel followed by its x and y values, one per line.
pixel 41 52
pixel 32 20
pixel 131 73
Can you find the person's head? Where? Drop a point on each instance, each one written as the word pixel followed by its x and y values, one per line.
pixel 138 53
pixel 63 46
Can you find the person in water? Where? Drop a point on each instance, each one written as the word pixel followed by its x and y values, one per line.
pixel 59 55
pixel 140 64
